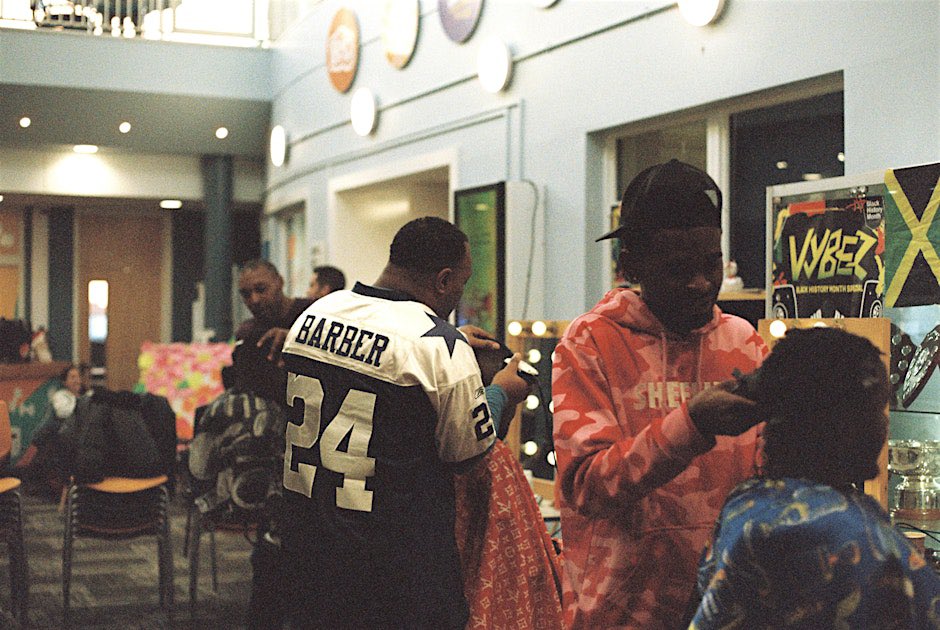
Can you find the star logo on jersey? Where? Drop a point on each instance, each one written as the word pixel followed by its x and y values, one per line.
pixel 445 331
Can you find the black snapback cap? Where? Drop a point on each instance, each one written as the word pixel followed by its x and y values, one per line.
pixel 668 195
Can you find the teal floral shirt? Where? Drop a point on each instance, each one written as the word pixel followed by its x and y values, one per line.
pixel 794 553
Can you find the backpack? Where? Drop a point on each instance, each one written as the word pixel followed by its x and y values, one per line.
pixel 237 453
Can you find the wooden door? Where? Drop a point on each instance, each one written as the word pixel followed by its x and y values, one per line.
pixel 126 250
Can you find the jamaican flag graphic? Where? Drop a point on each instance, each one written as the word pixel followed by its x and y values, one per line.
pixel 912 236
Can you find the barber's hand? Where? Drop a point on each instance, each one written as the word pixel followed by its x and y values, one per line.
pixel 717 411
pixel 275 337
pixel 515 386
pixel 479 338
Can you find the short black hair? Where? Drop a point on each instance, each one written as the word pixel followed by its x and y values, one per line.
pixel 330 276
pixel 427 245
pixel 259 263
pixel 820 388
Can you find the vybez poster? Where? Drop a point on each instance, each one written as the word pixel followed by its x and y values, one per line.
pixel 827 258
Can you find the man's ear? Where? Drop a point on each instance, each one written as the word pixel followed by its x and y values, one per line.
pixel 442 280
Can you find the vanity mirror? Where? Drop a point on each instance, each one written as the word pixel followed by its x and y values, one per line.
pixel 530 434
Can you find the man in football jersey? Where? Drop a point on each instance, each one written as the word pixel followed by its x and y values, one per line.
pixel 386 402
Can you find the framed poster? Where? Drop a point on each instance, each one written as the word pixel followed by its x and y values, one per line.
pixel 825 248
pixel 481 214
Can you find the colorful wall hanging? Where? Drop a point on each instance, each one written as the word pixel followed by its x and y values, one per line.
pixel 342 49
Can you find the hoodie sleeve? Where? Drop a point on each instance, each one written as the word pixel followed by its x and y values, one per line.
pixel 601 467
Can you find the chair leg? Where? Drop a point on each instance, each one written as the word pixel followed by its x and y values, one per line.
pixel 165 556
pixel 212 556
pixel 19 570
pixel 195 533
pixel 189 521
pixel 67 556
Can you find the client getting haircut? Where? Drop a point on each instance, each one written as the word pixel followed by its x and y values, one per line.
pixel 823 392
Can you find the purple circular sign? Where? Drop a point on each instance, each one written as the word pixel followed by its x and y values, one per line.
pixel 459 17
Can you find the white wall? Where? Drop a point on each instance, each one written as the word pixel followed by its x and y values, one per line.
pixel 589 65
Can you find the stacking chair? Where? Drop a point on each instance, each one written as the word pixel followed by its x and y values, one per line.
pixel 11 525
pixel 118 508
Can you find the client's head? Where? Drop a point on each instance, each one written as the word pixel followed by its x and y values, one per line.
pixel 825 392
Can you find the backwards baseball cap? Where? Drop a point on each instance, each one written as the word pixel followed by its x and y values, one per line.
pixel 669 195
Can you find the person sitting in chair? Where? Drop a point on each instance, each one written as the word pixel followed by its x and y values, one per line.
pixel 800 545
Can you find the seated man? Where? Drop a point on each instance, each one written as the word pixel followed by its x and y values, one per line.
pixel 801 545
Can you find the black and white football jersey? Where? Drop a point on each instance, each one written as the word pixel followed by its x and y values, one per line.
pixel 383 396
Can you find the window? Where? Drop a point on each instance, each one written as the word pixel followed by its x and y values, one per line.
pixel 783 136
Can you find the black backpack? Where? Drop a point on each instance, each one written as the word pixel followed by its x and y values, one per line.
pixel 15 338
pixel 236 456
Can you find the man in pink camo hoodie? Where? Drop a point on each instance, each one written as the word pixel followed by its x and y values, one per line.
pixel 642 385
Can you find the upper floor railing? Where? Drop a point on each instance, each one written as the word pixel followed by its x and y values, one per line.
pixel 224 22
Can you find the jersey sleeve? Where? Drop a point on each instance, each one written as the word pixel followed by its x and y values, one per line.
pixel 601 469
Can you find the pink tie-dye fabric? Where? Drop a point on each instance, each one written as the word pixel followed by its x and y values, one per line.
pixel 638 486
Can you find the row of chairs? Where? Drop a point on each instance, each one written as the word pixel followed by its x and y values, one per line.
pixel 113 509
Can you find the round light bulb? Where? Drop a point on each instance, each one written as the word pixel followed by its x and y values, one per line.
pixel 25 122
pixel 362 111
pixel 700 12
pixel 777 329
pixel 530 448
pixel 124 127
pixel 539 328
pixel 221 133
pixel 514 329
pixel 278 145
pixel 534 356
pixel 531 402
pixel 494 65
pixel 550 458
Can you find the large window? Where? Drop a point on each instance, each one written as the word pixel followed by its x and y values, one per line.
pixel 746 146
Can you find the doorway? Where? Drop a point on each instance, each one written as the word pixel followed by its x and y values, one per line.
pixel 366 218
pixel 125 251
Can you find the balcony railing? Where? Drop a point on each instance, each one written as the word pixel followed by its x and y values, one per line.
pixel 225 22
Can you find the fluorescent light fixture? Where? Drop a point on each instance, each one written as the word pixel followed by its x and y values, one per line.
pixel 25 122
pixel 700 12
pixel 494 65
pixel 221 133
pixel 278 145
pixel 85 148
pixel 124 127
pixel 782 164
pixel 171 204
pixel 362 111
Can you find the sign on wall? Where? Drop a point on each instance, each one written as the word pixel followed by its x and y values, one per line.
pixel 827 257
pixel 400 24
pixel 342 49
pixel 459 17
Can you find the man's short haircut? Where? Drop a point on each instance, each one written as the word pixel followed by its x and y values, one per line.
pixel 427 245
pixel 330 276
pixel 259 263
pixel 820 389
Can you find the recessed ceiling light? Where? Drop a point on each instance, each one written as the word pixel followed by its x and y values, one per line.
pixel 25 122
pixel 171 204
pixel 85 148
pixel 124 127
pixel 221 133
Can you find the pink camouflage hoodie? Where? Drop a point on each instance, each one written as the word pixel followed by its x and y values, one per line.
pixel 639 488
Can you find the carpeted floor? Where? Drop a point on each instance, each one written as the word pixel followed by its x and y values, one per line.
pixel 114 583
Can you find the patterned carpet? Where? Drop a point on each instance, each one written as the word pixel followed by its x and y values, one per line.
pixel 114 583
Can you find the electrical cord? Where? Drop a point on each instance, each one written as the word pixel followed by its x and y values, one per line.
pixel 532 245
pixel 932 534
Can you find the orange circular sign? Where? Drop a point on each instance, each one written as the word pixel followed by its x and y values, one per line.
pixel 342 49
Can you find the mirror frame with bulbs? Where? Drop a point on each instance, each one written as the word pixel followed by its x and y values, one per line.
pixel 518 332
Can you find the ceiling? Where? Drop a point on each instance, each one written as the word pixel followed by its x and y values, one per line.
pixel 160 123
